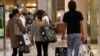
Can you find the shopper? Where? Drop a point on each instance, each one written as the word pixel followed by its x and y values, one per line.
pixel 15 40
pixel 39 40
pixel 73 21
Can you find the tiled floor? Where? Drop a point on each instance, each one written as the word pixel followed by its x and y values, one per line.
pixel 94 48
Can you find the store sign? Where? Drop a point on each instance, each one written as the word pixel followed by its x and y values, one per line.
pixel 1 21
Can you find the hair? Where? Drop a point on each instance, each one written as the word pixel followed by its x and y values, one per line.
pixel 72 5
pixel 28 13
pixel 15 11
pixel 39 14
pixel 10 16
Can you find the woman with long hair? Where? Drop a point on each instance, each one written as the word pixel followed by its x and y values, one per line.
pixel 39 40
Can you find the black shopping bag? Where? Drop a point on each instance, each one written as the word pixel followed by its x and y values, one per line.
pixel 24 49
pixel 61 51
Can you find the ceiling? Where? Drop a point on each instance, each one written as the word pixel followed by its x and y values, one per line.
pixel 9 2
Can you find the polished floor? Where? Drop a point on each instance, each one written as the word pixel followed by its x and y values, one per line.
pixel 51 48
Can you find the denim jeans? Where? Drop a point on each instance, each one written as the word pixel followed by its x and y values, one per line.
pixel 73 43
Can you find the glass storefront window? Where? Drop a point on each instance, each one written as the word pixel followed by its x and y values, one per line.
pixel 1 21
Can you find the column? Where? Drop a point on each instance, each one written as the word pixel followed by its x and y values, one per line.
pixel 98 24
pixel 42 4
pixel 93 20
pixel 66 5
pixel 46 5
pixel 49 9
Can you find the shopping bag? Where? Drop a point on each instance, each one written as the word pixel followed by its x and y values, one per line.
pixel 26 49
pixel 23 48
pixel 26 39
pixel 61 51
pixel 84 50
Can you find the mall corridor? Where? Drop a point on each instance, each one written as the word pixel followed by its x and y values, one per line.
pixel 55 10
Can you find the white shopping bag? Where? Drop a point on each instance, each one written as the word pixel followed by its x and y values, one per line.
pixel 26 39
pixel 84 50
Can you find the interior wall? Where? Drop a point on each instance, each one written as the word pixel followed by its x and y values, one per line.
pixel 42 4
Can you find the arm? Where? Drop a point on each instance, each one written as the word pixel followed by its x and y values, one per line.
pixel 7 30
pixel 22 28
pixel 82 30
pixel 63 32
pixel 32 34
pixel 32 31
pixel 65 20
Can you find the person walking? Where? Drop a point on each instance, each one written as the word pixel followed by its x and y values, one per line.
pixel 15 40
pixel 73 22
pixel 39 40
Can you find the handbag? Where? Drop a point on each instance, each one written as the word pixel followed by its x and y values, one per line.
pixel 26 39
pixel 48 34
pixel 17 31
